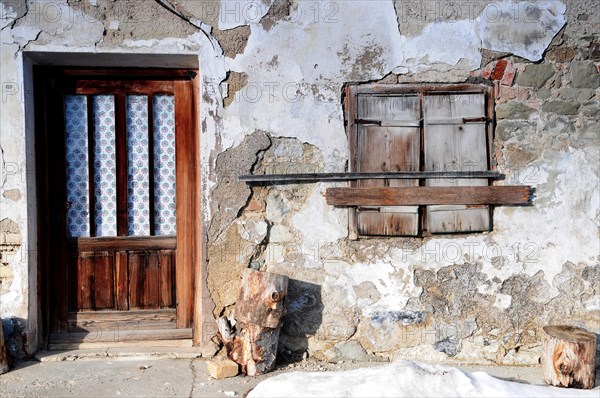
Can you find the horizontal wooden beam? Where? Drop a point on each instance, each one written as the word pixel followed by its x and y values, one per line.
pixel 124 87
pixel 316 177
pixel 416 196
pixel 131 73
pixel 414 89
pixel 123 243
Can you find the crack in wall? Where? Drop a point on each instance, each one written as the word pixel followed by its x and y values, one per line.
pixel 14 23
pixel 260 248
pixel 230 195
pixel 17 19
pixel 197 24
pixel 37 36
pixel 227 252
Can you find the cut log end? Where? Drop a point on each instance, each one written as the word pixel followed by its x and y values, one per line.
pixel 569 357
pixel 5 361
pixel 258 314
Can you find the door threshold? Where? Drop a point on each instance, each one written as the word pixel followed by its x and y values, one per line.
pixel 57 346
pixel 131 337
pixel 125 352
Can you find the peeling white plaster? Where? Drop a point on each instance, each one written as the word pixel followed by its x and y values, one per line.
pixel 295 59
pixel 445 42
pixel 14 174
pixel 393 282
pixel 165 45
pixel 524 29
pixel 233 132
pixel 295 70
pixel 530 235
pixel 339 290
pixel 58 24
pixel 318 225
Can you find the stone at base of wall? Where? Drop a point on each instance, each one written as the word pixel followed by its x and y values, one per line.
pixel 222 368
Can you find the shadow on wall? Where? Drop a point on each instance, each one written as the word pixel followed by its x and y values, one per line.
pixel 303 318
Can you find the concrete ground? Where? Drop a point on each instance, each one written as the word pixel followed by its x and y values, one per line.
pixel 178 373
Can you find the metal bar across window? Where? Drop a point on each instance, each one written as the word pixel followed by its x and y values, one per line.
pixel 316 177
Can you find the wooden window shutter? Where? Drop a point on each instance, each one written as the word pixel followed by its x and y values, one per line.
pixel 455 139
pixel 388 140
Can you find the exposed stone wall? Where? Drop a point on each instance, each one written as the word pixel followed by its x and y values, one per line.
pixel 10 242
pixel 272 76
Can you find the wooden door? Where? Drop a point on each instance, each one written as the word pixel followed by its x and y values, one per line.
pixel 122 170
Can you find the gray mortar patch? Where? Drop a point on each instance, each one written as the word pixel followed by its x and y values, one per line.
pixel 448 346
pixel 406 317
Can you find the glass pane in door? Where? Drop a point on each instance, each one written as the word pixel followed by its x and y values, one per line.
pixel 77 178
pixel 138 179
pixel 92 165
pixel 105 177
pixel 164 164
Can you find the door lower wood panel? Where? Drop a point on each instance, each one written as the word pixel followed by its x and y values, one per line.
pixel 147 278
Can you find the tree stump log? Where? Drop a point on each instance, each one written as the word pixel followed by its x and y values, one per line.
pixel 569 357
pixel 4 357
pixel 259 310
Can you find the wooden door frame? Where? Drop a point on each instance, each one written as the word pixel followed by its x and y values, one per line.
pixel 49 123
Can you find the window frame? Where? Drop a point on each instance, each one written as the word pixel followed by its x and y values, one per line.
pixel 121 82
pixel 120 91
pixel 351 93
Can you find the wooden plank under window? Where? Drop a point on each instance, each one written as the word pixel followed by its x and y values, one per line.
pixel 458 144
pixel 418 196
pixel 388 148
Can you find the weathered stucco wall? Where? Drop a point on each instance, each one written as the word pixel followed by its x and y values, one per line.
pixel 272 74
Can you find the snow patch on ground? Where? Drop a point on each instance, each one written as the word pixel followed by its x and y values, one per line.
pixel 404 379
